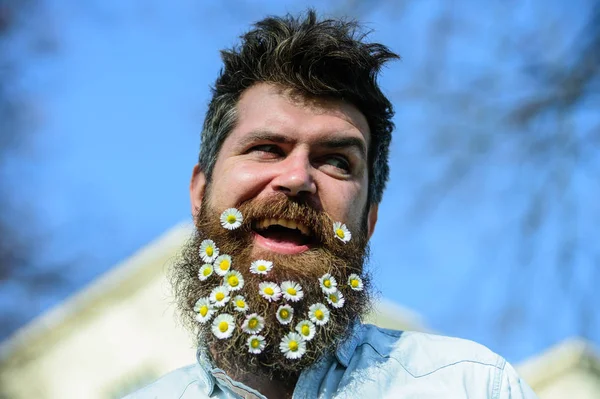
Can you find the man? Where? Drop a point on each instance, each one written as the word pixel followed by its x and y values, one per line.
pixel 293 164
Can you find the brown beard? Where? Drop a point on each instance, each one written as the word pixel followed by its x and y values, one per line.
pixel 326 255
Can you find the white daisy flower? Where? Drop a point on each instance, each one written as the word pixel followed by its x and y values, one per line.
pixel 355 282
pixel 219 296
pixel 261 266
pixel 256 344
pixel 204 310
pixel 318 314
pixel 292 291
pixel 222 264
pixel 253 324
pixel 328 283
pixel 336 299
pixel 341 232
pixel 292 346
pixel 270 291
pixel 240 304
pixel 233 280
pixel 307 329
pixel 208 251
pixel 285 314
pixel 206 270
pixel 223 326
pixel 231 219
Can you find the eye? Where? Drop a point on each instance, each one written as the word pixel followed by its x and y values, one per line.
pixel 339 162
pixel 266 150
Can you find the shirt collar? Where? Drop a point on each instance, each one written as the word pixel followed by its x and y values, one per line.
pixel 204 372
pixel 347 347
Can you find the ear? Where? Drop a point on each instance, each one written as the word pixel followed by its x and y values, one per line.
pixel 372 219
pixel 197 187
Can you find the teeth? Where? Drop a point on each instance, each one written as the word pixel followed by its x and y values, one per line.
pixel 303 229
pixel 290 224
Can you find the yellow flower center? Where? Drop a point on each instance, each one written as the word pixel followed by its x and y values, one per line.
pixel 284 313
pixel 255 343
pixel 305 330
pixel 269 291
pixel 291 291
pixel 340 233
pixel 240 303
pixel 333 298
pixel 224 265
pixel 231 219
pixel 253 323
pixel 209 251
pixel 206 271
pixel 354 283
pixel 319 314
pixel 233 281
pixel 293 345
pixel 261 268
pixel 220 296
pixel 223 326
pixel 327 283
pixel 204 310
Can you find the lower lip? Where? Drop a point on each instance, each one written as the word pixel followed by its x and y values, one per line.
pixel 279 247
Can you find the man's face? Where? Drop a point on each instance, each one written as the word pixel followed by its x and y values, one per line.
pixel 311 150
pixel 292 166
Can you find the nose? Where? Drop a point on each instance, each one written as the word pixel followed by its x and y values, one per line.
pixel 295 177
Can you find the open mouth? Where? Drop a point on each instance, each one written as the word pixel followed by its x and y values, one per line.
pixel 283 235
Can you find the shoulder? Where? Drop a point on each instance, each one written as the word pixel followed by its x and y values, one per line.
pixel 181 383
pixel 422 353
pixel 404 362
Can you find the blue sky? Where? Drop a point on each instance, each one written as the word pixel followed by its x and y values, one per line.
pixel 122 103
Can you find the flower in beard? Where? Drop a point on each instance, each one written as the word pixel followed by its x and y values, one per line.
pixel 206 270
pixel 233 280
pixel 292 291
pixel 270 291
pixel 285 314
pixel 219 296
pixel 231 219
pixel 261 266
pixel 222 264
pixel 253 324
pixel 328 283
pixel 204 310
pixel 318 314
pixel 208 251
pixel 292 346
pixel 336 299
pixel 240 304
pixel 256 344
pixel 223 325
pixel 307 329
pixel 341 232
pixel 355 282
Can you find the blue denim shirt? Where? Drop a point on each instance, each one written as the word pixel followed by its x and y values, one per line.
pixel 372 363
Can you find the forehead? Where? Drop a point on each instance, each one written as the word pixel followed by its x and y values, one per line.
pixel 271 108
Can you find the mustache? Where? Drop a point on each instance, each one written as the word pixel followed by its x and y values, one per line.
pixel 280 206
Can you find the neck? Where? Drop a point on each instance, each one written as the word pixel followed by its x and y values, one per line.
pixel 265 383
pixel 270 388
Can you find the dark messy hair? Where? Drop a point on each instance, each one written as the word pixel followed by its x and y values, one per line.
pixel 326 58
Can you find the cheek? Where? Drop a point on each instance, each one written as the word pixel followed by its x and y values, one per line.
pixel 239 182
pixel 344 202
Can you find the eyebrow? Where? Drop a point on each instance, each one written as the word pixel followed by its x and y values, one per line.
pixel 345 142
pixel 326 142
